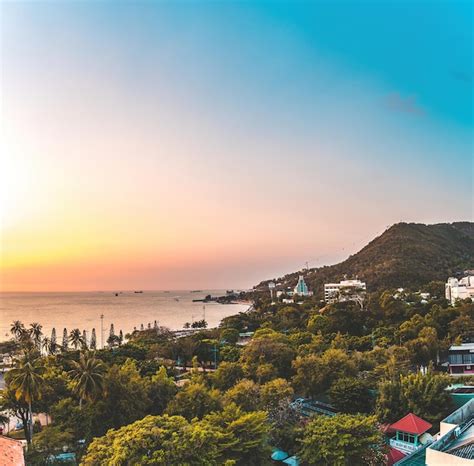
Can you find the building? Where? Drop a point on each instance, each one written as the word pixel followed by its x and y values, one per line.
pixel 454 445
pixel 345 290
pixel 461 359
pixel 459 289
pixel 301 289
pixel 11 452
pixel 410 433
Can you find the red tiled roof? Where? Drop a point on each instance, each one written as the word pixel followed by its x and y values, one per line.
pixel 393 456
pixel 411 424
pixel 11 452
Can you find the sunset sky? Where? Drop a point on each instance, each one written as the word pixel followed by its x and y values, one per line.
pixel 177 145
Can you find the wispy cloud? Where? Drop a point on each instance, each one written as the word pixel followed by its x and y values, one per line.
pixel 398 103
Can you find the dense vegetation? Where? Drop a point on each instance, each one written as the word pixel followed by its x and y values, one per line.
pixel 128 404
pixel 227 395
pixel 406 255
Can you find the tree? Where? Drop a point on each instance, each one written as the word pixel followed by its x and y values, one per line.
pixel 194 400
pixel 84 340
pixel 17 329
pixel 162 389
pixel 462 326
pixel 275 392
pixel 48 442
pixel 342 440
pixel 156 440
pixel 65 343
pixel 75 337
pixel 227 375
pixel 93 342
pixel 351 395
pixel 229 335
pixel 54 343
pixel 26 380
pixel 17 407
pixel 423 395
pixel 244 435
pixel 315 374
pixel 426 395
pixel 36 334
pixel 245 394
pixel 88 377
pixel 126 398
pixel 269 349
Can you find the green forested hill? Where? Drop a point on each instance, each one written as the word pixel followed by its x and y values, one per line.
pixel 406 255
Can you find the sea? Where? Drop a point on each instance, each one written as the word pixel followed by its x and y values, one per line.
pixel 126 310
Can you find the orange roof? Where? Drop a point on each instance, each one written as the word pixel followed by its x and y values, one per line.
pixel 411 424
pixel 11 452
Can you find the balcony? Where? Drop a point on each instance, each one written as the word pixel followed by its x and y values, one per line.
pixel 404 447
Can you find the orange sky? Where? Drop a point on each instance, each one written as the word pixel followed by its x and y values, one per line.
pixel 152 148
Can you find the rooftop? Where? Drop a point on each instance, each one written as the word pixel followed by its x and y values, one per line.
pixel 11 452
pixel 411 424
pixel 394 456
pixel 462 346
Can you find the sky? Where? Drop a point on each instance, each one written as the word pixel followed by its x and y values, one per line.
pixel 183 145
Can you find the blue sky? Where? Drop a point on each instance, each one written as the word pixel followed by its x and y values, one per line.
pixel 260 134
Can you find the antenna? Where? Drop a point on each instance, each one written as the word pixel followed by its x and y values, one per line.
pixel 102 331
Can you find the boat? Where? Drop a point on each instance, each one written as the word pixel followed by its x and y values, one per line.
pixel 196 291
pixel 138 291
pixel 116 294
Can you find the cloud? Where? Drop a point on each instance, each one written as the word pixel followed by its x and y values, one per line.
pixel 408 104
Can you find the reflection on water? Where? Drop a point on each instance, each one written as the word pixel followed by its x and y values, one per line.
pixel 126 311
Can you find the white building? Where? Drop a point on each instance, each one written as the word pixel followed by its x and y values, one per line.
pixel 301 289
pixel 345 290
pixel 459 289
pixel 454 444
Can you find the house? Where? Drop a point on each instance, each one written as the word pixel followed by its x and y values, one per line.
pixel 459 289
pixel 461 359
pixel 454 445
pixel 11 452
pixel 410 433
pixel 345 290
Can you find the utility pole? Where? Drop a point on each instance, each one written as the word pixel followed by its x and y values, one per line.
pixel 102 331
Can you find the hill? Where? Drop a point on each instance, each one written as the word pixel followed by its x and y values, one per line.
pixel 406 255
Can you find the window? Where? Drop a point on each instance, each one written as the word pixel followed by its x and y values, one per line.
pixel 455 358
pixel 404 437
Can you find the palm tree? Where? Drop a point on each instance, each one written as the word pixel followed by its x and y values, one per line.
pixel 49 346
pixel 27 380
pixel 88 377
pixel 17 328
pixel 36 334
pixel 75 338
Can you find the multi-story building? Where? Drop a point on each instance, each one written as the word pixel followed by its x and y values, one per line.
pixel 459 289
pixel 345 290
pixel 461 359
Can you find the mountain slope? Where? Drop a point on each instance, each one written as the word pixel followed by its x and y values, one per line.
pixel 406 255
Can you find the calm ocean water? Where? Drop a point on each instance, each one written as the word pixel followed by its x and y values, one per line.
pixel 126 311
